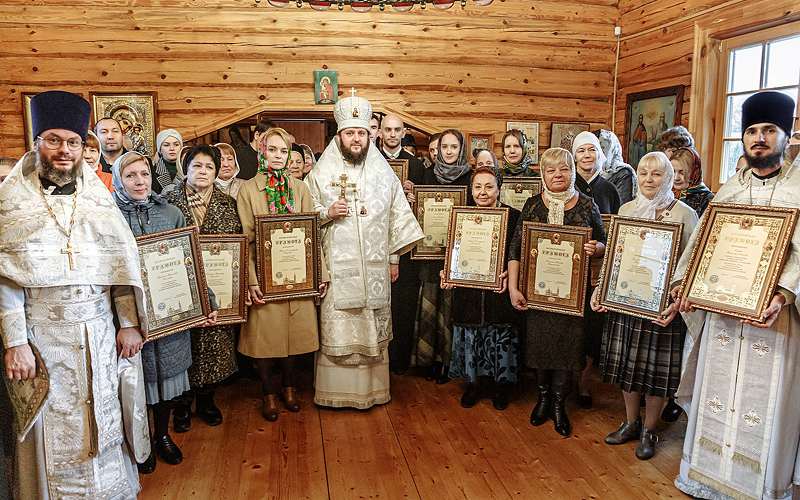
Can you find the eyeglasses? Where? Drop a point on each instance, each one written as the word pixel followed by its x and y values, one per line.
pixel 55 142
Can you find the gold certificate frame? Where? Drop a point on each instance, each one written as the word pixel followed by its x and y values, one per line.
pixel 288 256
pixel 515 191
pixel 225 266
pixel 400 168
pixel 432 208
pixel 638 264
pixel 554 268
pixel 176 294
pixel 476 247
pixel 739 255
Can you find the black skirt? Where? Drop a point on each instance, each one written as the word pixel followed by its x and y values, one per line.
pixel 641 356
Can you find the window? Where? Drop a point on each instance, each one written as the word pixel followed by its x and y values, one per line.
pixel 764 60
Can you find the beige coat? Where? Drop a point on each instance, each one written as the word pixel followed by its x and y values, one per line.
pixel 275 329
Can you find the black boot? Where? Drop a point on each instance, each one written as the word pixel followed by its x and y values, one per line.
pixel 544 406
pixel 561 380
pixel 206 409
pixel 502 395
pixel 647 445
pixel 671 412
pixel 471 396
pixel 163 445
pixel 444 375
pixel 181 414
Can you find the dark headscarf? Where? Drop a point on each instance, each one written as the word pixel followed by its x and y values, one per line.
pixel 447 173
pixel 525 164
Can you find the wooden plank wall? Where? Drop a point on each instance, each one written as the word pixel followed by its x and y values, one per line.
pixel 658 41
pixel 474 68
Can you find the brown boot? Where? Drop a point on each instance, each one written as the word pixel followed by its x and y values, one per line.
pixel 269 407
pixel 290 399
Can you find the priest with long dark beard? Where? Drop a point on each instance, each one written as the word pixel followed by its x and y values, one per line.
pixel 367 225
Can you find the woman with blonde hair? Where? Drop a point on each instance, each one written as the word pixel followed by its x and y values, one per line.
pixel 275 332
pixel 555 342
pixel 640 355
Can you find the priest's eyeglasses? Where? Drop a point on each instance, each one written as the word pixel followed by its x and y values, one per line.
pixel 55 142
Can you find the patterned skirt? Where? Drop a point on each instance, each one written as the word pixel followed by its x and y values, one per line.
pixel 213 355
pixel 485 351
pixel 641 356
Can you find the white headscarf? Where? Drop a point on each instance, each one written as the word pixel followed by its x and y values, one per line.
pixel 589 138
pixel 645 207
pixel 225 185
pixel 557 201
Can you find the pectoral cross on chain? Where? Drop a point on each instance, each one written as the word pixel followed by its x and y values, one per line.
pixel 69 251
pixel 343 185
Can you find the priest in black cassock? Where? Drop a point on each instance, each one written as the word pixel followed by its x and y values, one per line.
pixel 405 291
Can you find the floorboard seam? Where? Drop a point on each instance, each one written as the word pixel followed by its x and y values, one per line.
pixel 403 451
pixel 324 457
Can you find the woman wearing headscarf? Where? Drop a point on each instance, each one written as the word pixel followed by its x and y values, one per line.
pixel 275 332
pixel 615 170
pixel 213 349
pixel 165 170
pixel 516 160
pixel 434 336
pixel 485 326
pixel 589 161
pixel 308 158
pixel 644 356
pixel 227 180
pixel 166 360
pixel 688 185
pixel 555 344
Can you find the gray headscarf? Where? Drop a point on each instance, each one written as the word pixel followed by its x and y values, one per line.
pixel 120 195
pixel 612 150
pixel 447 173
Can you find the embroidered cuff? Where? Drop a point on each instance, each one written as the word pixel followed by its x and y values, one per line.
pixel 394 259
pixel 13 328
pixel 126 311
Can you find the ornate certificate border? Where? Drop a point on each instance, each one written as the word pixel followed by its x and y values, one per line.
pixel 670 235
pixel 400 168
pixel 780 223
pixel 532 232
pixel 237 245
pixel 287 223
pixel 518 185
pixel 498 217
pixel 187 239
pixel 421 193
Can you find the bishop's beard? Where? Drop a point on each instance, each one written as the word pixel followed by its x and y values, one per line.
pixel 58 177
pixel 355 158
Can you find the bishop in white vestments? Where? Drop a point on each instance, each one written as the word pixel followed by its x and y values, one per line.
pixel 741 384
pixel 367 225
pixel 67 255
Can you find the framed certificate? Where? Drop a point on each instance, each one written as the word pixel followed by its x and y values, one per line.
pixel 432 208
pixel 476 247
pixel 739 255
pixel 554 267
pixel 400 168
pixel 637 267
pixel 288 256
pixel 595 265
pixel 225 266
pixel 176 295
pixel 515 191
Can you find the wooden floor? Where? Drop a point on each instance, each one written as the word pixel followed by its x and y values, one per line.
pixel 421 445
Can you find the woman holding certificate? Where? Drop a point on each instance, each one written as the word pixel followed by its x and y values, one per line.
pixel 213 349
pixel 555 341
pixel 275 332
pixel 485 326
pixel 644 356
pixel 434 336
pixel 165 360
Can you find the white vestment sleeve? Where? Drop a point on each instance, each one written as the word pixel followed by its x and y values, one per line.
pixel 125 302
pixel 13 329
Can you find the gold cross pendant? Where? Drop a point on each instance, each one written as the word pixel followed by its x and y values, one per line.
pixel 69 251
